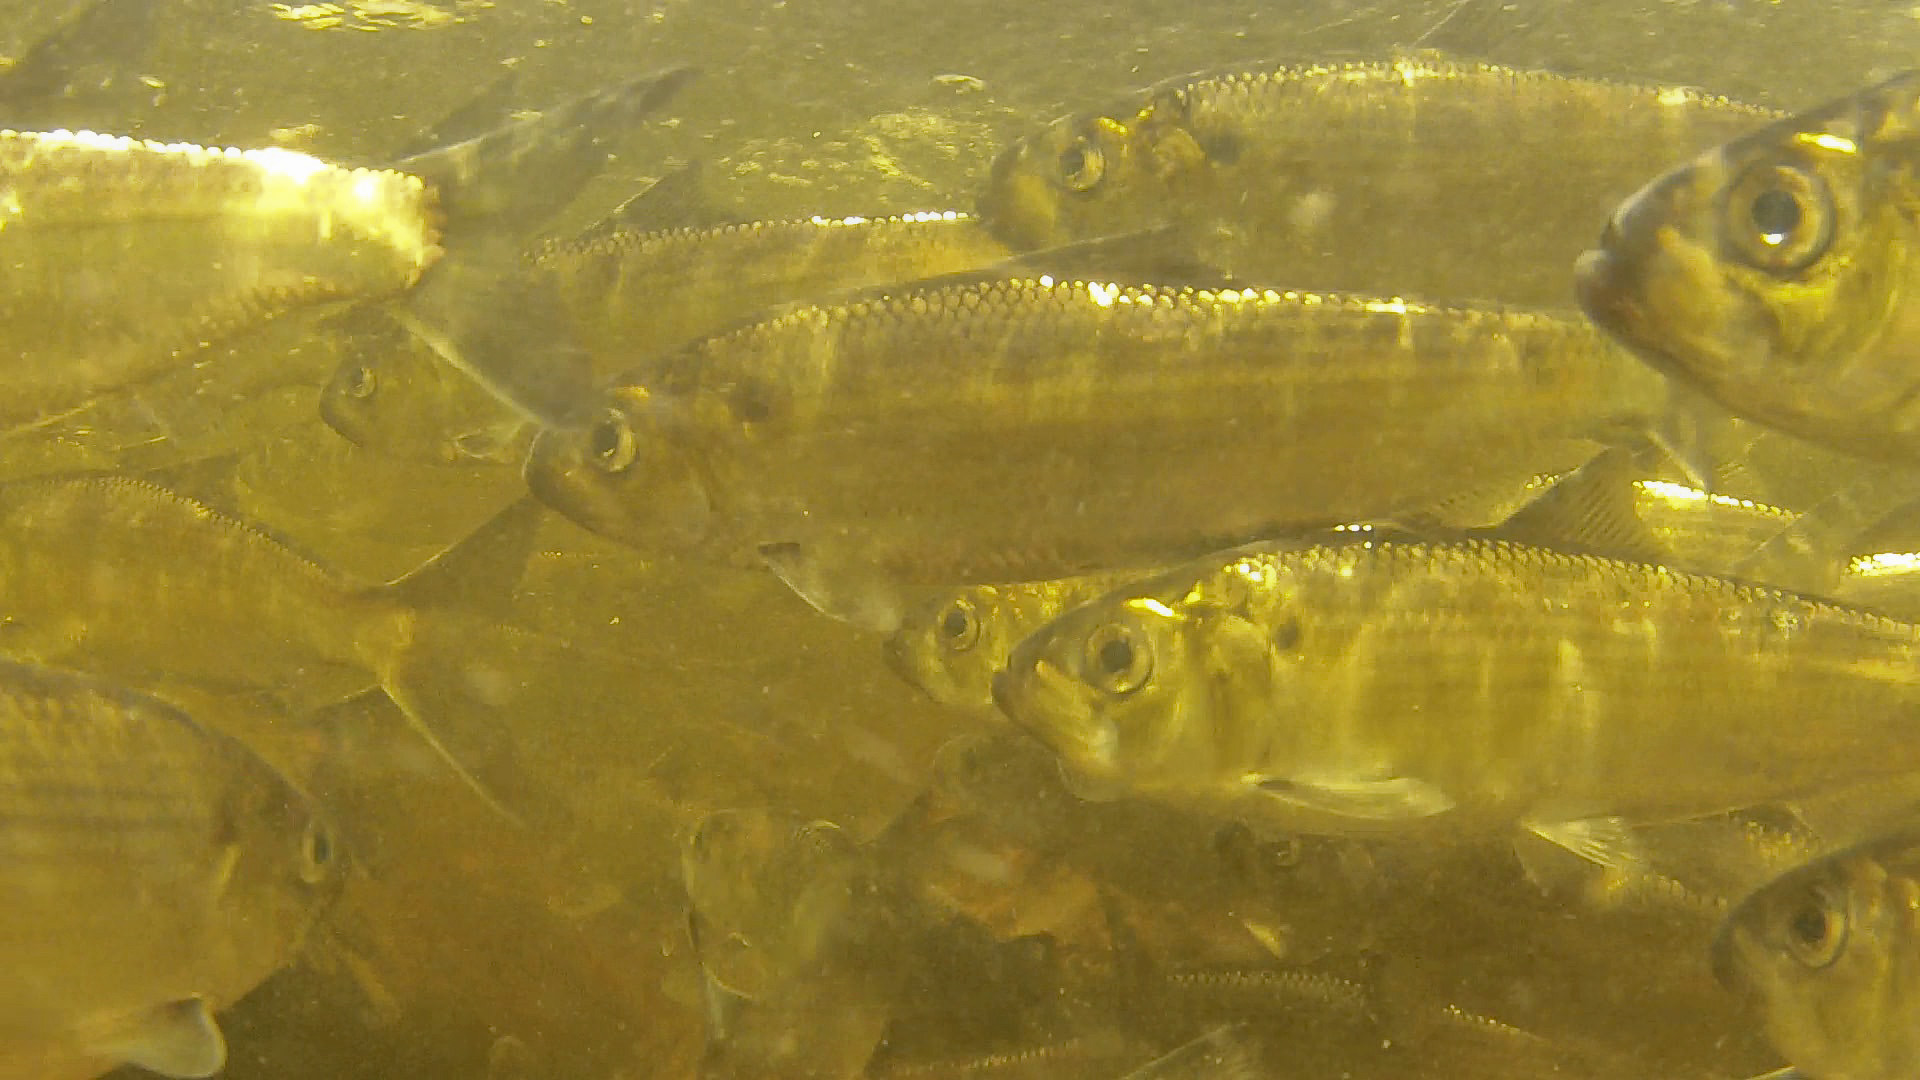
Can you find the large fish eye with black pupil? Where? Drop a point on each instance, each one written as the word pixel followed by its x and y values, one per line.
pixel 610 443
pixel 959 626
pixel 317 852
pixel 1779 217
pixel 1082 164
pixel 1815 928
pixel 1117 660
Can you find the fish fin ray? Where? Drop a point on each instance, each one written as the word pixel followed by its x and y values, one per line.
pixel 856 595
pixel 1606 842
pixel 480 572
pixel 1398 798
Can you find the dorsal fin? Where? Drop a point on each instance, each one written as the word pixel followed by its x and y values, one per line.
pixel 515 177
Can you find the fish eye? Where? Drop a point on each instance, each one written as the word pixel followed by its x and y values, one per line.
pixel 1082 164
pixel 1780 217
pixel 361 383
pixel 959 626
pixel 1816 928
pixel 610 443
pixel 317 852
pixel 1116 660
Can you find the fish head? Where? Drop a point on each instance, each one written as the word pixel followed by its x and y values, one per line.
pixel 1828 953
pixel 1770 271
pixel 625 472
pixel 1090 175
pixel 1141 691
pixel 392 395
pixel 771 896
pixel 951 646
pixel 280 866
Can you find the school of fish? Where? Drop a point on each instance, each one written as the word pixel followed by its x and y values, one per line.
pixel 1260 621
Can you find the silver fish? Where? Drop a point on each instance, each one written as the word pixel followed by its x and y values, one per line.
pixel 1382 687
pixel 855 445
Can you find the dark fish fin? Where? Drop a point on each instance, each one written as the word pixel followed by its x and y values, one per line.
pixel 487 314
pixel 857 594
pixel 90 53
pixel 178 1039
pixel 1591 510
pixel 480 572
pixel 405 689
pixel 1228 1052
pixel 488 110
pixel 516 177
pixel 676 200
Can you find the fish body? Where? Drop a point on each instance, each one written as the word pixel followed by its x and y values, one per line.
pixel 243 236
pixel 637 293
pixel 154 872
pixel 1830 951
pixel 1026 429
pixel 1886 581
pixel 103 574
pixel 1379 687
pixel 1360 176
pixel 1773 272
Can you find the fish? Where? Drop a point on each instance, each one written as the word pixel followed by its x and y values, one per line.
pixel 786 916
pixel 1361 176
pixel 1770 273
pixel 162 375
pixel 271 231
pixel 101 573
pixel 1827 952
pixel 950 645
pixel 1467 687
pixel 154 873
pixel 851 446
pixel 634 293
pixel 1295 899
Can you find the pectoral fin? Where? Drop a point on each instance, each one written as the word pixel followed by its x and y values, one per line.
pixel 1607 841
pixel 1394 799
pixel 861 596
pixel 178 1039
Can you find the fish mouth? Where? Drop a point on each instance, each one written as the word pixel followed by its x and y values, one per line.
pixel 552 469
pixel 1604 282
pixel 1599 287
pixel 1049 704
